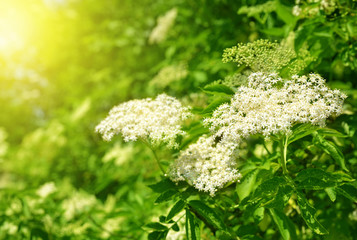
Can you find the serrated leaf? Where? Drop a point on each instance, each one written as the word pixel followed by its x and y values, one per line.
pixel 192 227
pixel 215 104
pixel 308 214
pixel 280 200
pixel 349 191
pixel 207 213
pixel 178 207
pixel 331 193
pixel 162 186
pixel 218 88
pixel 300 131
pixel 315 179
pixel 166 196
pixel 156 226
pixel 331 149
pixel 285 225
pixel 314 173
pixel 269 187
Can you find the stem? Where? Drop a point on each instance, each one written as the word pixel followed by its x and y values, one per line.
pixel 155 155
pixel 284 150
pixel 266 148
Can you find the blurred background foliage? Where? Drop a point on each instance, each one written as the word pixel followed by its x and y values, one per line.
pixel 65 63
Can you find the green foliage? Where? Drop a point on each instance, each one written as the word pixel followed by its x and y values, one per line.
pixel 58 180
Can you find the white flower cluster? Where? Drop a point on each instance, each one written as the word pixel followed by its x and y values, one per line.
pixel 157 120
pixel 270 106
pixel 310 8
pixel 46 189
pixel 169 74
pixel 164 23
pixel 206 165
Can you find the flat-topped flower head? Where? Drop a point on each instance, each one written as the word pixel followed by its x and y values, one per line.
pixel 207 165
pixel 270 106
pixel 155 120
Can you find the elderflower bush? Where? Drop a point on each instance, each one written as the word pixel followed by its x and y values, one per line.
pixel 270 107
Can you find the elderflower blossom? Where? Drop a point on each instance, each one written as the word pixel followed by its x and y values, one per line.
pixel 206 165
pixel 78 203
pixel 164 23
pixel 155 120
pixel 46 189
pixel 270 106
pixel 169 74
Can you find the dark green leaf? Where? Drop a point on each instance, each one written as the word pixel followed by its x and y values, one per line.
pixel 156 226
pixel 166 196
pixel 207 213
pixel 349 191
pixel 269 187
pixel 192 227
pixel 308 213
pixel 218 88
pixel 178 207
pixel 158 235
pixel 315 179
pixel 175 227
pixel 285 225
pixel 162 186
pixel 280 200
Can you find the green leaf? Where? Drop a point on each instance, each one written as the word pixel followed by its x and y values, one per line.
pixel 156 226
pixel 247 184
pixel 284 224
pixel 331 192
pixel 331 149
pixel 192 227
pixel 162 186
pixel 215 104
pixel 300 131
pixel 284 13
pixel 314 173
pixel 349 191
pixel 329 132
pixel 207 213
pixel 280 200
pixel 315 179
pixel 258 214
pixel 269 187
pixel 158 235
pixel 175 227
pixel 166 196
pixel 178 207
pixel 308 214
pixel 218 88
